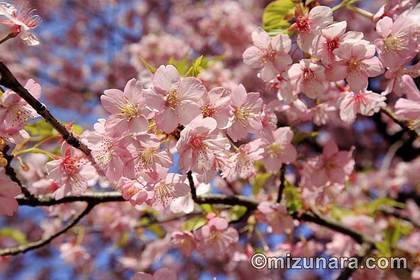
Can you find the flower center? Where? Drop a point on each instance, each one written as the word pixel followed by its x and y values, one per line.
pixel 70 166
pixel 164 193
pixel 332 44
pixel 353 64
pixel 308 74
pixel 268 55
pixel 392 44
pixel 147 156
pixel 197 142
pixel 242 113
pixel 171 100
pixel 129 111
pixel 274 149
pixel 207 111
pixel 302 23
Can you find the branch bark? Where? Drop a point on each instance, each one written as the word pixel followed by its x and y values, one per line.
pixel 42 242
pixel 8 80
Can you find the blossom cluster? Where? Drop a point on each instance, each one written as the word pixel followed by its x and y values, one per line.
pixel 171 135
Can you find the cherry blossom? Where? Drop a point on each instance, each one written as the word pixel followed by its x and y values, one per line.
pixel 127 108
pixel 8 191
pixel 215 104
pixel 270 54
pixel 363 102
pixel 14 111
pixel 21 22
pixel 246 113
pixel 333 166
pixel 161 274
pixel 201 148
pixel 308 77
pixel 361 62
pixel 278 149
pixel 409 108
pixel 309 24
pixel 174 99
pixel 216 236
pixel 72 172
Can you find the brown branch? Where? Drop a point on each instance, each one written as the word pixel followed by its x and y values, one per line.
pixel 12 174
pixel 347 272
pixel 282 183
pixel 42 242
pixel 405 125
pixel 8 80
pixel 92 198
pixel 192 186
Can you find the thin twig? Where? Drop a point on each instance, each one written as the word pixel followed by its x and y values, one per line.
pixel 282 183
pixel 404 124
pixel 12 174
pixel 40 243
pixel 192 186
pixel 8 80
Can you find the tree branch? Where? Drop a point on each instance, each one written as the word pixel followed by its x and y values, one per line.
pixel 282 183
pixel 8 80
pixel 405 125
pixel 12 174
pixel 37 244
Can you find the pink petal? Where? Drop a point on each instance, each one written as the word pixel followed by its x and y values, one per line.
pixel 165 77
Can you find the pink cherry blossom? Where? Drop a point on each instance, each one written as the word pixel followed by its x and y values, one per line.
pixel 409 108
pixel 8 191
pixel 108 150
pixel 246 113
pixel 308 25
pixel 270 54
pixel 146 154
pixel 363 102
pixel 165 188
pixel 161 274
pixel 215 104
pixel 74 253
pixel 330 38
pixel 127 108
pixel 21 22
pixel 309 78
pixel 398 43
pixel 216 237
pixel 175 100
pixel 275 216
pixel 241 162
pixel 14 111
pixel 185 241
pixel 361 62
pixel 133 191
pixel 278 149
pixel 201 148
pixel 333 166
pixel 72 172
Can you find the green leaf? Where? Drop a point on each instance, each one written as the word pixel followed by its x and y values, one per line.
pixel 41 129
pixel 376 204
pixel 275 16
pixel 157 230
pixel 182 65
pixel 148 66
pixel 293 198
pixel 14 234
pixel 259 181
pixel 392 235
pixel 194 223
pixel 299 136
pixel 198 65
pixel 237 212
pixel 207 208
